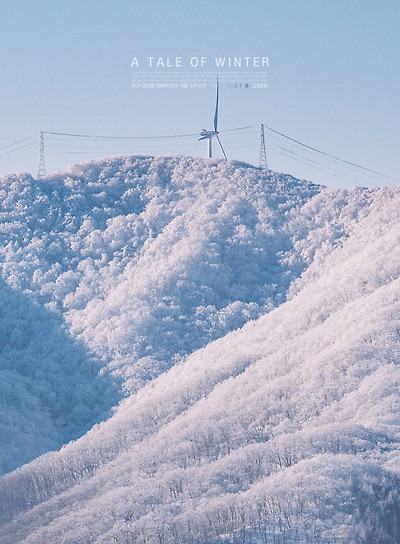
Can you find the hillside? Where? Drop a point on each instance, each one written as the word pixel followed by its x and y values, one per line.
pixel 229 335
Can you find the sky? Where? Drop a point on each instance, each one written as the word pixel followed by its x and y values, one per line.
pixel 333 82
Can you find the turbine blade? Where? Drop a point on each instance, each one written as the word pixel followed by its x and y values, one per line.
pixel 216 111
pixel 239 128
pixel 220 145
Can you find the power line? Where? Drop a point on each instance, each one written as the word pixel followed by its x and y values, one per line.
pixel 15 150
pixel 331 156
pixel 335 168
pixel 99 137
pixel 15 143
pixel 350 178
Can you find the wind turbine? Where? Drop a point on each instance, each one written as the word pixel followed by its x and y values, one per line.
pixel 210 134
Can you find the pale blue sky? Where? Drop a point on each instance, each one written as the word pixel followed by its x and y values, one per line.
pixel 333 78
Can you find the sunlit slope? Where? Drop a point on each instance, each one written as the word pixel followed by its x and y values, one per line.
pixel 123 266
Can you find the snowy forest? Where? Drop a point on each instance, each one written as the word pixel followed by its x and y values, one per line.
pixel 198 352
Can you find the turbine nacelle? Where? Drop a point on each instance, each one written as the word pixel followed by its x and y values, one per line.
pixel 207 134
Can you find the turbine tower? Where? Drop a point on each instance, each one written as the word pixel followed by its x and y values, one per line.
pixel 210 134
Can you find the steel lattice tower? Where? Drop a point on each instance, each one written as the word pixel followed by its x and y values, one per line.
pixel 42 168
pixel 263 151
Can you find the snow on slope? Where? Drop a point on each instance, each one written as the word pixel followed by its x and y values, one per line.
pixel 288 426
pixel 143 261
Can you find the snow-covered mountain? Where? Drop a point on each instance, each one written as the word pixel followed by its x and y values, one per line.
pixel 230 336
